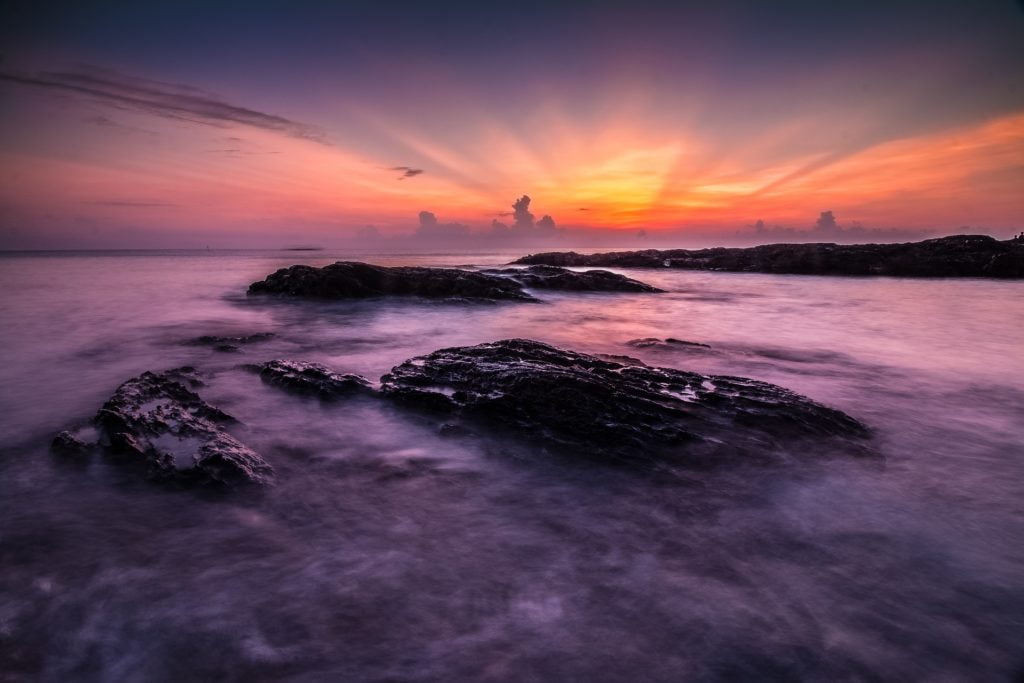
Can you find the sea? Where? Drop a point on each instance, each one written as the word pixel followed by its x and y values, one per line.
pixel 384 551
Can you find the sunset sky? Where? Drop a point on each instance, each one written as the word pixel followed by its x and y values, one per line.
pixel 268 124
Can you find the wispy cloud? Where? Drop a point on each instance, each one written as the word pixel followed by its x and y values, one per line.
pixel 129 204
pixel 107 122
pixel 167 100
pixel 235 152
pixel 407 171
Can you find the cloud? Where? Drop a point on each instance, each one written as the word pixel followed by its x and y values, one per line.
pixel 826 222
pixel 524 230
pixel 129 204
pixel 167 100
pixel 826 226
pixel 432 228
pixel 236 152
pixel 521 212
pixel 107 122
pixel 407 171
pixel 546 224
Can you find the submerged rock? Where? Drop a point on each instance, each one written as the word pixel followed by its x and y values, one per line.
pixel 310 379
pixel 156 420
pixel 70 445
pixel 610 411
pixel 956 256
pixel 230 343
pixel 669 343
pixel 351 280
pixel 553 277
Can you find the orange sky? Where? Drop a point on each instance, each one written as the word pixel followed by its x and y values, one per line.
pixel 605 129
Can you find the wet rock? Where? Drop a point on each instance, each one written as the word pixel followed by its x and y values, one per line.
pixel 349 280
pixel 669 343
pixel 553 277
pixel 69 445
pixel 454 430
pixel 229 343
pixel 158 421
pixel 956 256
pixel 311 379
pixel 609 411
pixel 619 358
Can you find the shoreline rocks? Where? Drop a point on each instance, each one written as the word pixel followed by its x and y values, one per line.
pixel 955 256
pixel 669 343
pixel 230 344
pixel 157 421
pixel 610 411
pixel 555 278
pixel 311 379
pixel 353 280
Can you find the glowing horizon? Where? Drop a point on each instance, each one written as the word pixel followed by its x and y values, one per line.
pixel 620 137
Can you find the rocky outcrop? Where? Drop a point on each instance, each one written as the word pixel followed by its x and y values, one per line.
pixel 310 379
pixel 553 277
pixel 157 421
pixel 351 280
pixel 957 256
pixel 610 411
pixel 229 343
pixel 666 344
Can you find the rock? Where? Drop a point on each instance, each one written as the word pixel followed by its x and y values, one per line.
pixel 68 445
pixel 349 280
pixel 156 420
pixel 230 343
pixel 451 430
pixel 311 379
pixel 610 411
pixel 669 343
pixel 619 358
pixel 956 256
pixel 553 277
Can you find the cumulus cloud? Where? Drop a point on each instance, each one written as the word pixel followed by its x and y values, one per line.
pixel 524 229
pixel 430 227
pixel 826 222
pixel 407 171
pixel 521 213
pixel 166 100
pixel 828 227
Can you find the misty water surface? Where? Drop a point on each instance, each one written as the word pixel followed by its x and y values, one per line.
pixel 386 552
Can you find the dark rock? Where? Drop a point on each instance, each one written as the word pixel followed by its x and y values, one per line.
pixel 311 379
pixel 69 445
pixel 230 344
pixel 619 358
pixel 553 277
pixel 348 280
pixel 956 256
pixel 156 420
pixel 655 343
pixel 611 411
pixel 452 430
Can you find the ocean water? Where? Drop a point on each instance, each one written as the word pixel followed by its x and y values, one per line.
pixel 385 552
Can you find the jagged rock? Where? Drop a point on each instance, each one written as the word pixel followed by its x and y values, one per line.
pixel 346 280
pixel 669 343
pixel 69 445
pixel 230 343
pixel 553 277
pixel 310 379
pixel 156 420
pixel 956 256
pixel 610 411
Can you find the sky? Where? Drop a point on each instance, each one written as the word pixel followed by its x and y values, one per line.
pixel 268 124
